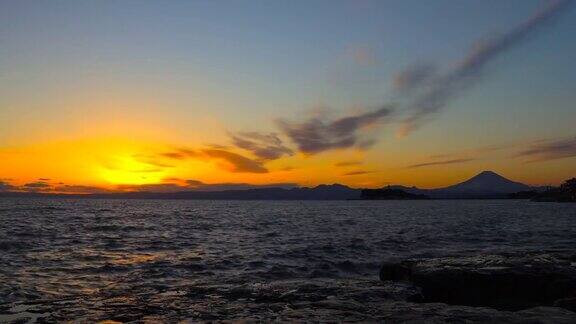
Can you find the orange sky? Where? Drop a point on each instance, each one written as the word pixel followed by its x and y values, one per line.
pixel 117 164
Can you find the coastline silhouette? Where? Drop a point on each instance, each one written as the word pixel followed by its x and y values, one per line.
pixel 485 185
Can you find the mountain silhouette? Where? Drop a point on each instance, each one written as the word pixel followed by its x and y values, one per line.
pixel 486 184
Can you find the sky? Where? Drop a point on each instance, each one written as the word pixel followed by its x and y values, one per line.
pixel 103 95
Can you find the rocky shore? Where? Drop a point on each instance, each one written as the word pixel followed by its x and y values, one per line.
pixel 504 288
pixel 519 283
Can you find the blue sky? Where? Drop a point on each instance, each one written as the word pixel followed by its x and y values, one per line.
pixel 235 64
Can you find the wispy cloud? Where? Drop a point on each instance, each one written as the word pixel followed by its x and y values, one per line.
pixel 196 185
pixel 181 154
pixel 36 186
pixel 414 76
pixel 80 189
pixel 154 187
pixel 319 134
pixel 236 162
pixel 428 91
pixel 347 163
pixel 549 150
pixel 436 163
pixel 358 172
pixel 227 160
pixel 424 89
pixel 472 152
pixel 265 146
pixel 199 185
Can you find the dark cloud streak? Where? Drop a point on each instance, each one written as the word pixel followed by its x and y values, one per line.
pixel 237 162
pixel 550 150
pixel 320 134
pixel 80 189
pixel 265 146
pixel 37 184
pixel 429 92
pixel 359 172
pixel 436 163
pixel 233 162
pixel 347 163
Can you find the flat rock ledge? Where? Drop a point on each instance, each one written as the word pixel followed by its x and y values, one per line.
pixel 521 283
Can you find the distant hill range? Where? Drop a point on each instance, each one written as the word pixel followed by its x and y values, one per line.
pixel 485 185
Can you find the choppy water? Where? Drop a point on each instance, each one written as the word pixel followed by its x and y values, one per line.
pixel 166 260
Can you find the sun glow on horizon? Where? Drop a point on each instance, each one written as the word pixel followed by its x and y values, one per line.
pixel 124 164
pixel 128 170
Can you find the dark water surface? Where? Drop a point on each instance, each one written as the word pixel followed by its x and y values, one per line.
pixel 136 260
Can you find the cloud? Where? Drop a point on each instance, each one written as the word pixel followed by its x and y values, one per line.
pixel 231 161
pixel 236 162
pixel 155 187
pixel 218 146
pixel 265 146
pixel 445 162
pixel 347 163
pixel 43 186
pixel 5 186
pixel 151 161
pixel 422 88
pixel 413 77
pixel 359 172
pixel 319 134
pixel 39 184
pixel 79 189
pixel 472 152
pixel 134 163
pixel 181 154
pixel 36 186
pixel 428 91
pixel 550 150
pixel 196 185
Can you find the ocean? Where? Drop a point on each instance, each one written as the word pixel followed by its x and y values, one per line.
pixel 173 260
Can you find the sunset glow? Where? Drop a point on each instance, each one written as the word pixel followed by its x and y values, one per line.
pixel 362 113
pixel 127 170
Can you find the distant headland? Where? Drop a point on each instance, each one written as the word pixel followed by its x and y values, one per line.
pixel 485 185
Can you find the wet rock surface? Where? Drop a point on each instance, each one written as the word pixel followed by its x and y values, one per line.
pixel 500 281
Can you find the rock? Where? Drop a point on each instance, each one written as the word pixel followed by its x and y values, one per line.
pixel 402 312
pixel 505 282
pixel 396 272
pixel 547 315
pixel 567 303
